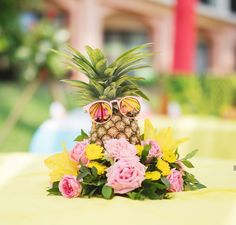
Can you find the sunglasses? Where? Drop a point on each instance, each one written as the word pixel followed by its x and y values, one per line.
pixel 101 111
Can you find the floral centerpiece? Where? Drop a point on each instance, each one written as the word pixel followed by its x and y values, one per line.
pixel 115 159
pixel 149 170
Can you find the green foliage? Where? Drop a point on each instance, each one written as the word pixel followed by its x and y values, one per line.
pixel 83 172
pixel 165 182
pixel 190 155
pixel 136 195
pixel 185 90
pixel 82 136
pixel 218 92
pixel 35 55
pixel 152 187
pixel 187 163
pixel 107 192
pixel 152 190
pixel 34 114
pixel 203 95
pixel 92 183
pixel 145 152
pixel 54 190
pixel 191 183
pixel 10 36
pixel 107 81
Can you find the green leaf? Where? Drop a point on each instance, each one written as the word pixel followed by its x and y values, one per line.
pixel 145 153
pixel 137 48
pixel 191 183
pixel 135 196
pixel 99 88
pixel 110 71
pixel 85 68
pixel 125 78
pixel 159 186
pixel 91 193
pixel 101 182
pixel 82 136
pixel 191 154
pixel 133 68
pixel 91 54
pixel 101 66
pixel 99 54
pixel 83 172
pixel 76 83
pixel 165 181
pixel 107 192
pixel 140 93
pixel 200 186
pixel 142 137
pixel 187 163
pixel 94 171
pixel 190 177
pixel 79 55
pixel 55 184
pixel 54 190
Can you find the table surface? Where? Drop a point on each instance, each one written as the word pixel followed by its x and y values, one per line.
pixel 24 201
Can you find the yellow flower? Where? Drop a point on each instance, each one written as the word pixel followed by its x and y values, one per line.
pixel 139 149
pixel 154 175
pixel 60 164
pixel 94 151
pixel 100 168
pixel 164 138
pixel 149 130
pixel 169 156
pixel 163 167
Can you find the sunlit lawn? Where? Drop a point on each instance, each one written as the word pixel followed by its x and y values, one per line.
pixel 34 114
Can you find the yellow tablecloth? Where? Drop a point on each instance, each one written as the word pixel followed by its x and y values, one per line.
pixel 24 201
pixel 213 136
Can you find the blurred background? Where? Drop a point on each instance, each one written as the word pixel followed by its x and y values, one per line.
pixel 192 82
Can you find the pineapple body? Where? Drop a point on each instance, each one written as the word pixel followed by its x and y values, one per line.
pixel 117 127
pixel 109 82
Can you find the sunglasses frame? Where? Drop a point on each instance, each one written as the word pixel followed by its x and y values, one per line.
pixel 118 101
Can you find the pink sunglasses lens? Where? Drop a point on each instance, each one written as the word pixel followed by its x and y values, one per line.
pixel 130 107
pixel 100 112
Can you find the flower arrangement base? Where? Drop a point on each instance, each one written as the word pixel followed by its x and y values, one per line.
pixel 150 170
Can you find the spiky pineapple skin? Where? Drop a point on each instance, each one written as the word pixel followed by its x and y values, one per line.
pixel 117 127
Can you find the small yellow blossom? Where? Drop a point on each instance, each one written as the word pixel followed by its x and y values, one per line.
pixel 163 167
pixel 154 175
pixel 94 151
pixel 169 156
pixel 100 168
pixel 139 149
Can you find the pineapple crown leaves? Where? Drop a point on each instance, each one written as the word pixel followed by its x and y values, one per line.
pixel 107 81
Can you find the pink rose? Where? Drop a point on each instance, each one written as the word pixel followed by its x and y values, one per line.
pixel 78 154
pixel 69 186
pixel 155 151
pixel 119 149
pixel 125 175
pixel 176 181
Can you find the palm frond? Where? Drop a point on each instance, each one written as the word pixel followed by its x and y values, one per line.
pixel 135 49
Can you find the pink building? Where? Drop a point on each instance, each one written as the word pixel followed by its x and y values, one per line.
pixel 118 24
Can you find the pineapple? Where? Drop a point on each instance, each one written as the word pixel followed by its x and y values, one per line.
pixel 109 82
